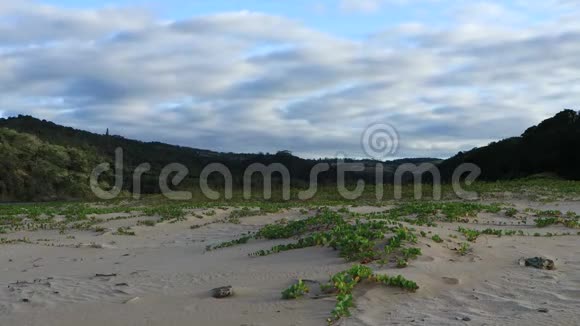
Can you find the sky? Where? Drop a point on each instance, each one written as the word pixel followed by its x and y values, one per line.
pixel 305 76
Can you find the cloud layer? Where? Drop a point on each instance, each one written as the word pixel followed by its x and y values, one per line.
pixel 250 81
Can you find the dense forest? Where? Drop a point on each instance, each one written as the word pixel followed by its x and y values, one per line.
pixel 45 161
pixel 553 146
pixel 30 144
pixel 31 169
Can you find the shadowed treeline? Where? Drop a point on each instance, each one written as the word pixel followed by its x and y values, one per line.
pixel 44 161
pixel 553 146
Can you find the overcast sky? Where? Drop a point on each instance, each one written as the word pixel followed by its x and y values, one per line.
pixel 306 76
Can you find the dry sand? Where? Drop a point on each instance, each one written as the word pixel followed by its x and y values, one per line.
pixel 163 276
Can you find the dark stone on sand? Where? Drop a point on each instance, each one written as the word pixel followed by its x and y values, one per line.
pixel 222 292
pixel 538 262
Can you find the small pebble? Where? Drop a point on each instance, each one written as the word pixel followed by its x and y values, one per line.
pixel 544 310
pixel 222 292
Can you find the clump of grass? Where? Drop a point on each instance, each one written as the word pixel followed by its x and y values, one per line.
pixel 344 283
pixel 295 291
pixel 547 221
pixel 13 241
pixel 464 249
pixel 544 222
pixel 124 231
pixel 470 234
pixel 402 263
pixel 570 223
pixel 511 212
pixel 147 223
pixel 99 229
pixel 408 254
pixel 436 238
pixel 411 253
pixel 497 232
pixel 401 234
pixel 168 213
pixel 235 215
pixel 426 212
pixel 322 221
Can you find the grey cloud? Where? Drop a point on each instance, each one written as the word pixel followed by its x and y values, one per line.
pixel 51 24
pixel 246 81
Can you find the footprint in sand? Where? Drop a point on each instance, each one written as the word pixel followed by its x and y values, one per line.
pixel 450 280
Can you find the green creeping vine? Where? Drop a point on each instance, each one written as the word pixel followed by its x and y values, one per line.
pixel 437 238
pixel 427 212
pixel 232 243
pixel 124 231
pixel 323 221
pixel 353 241
pixel 543 222
pixel 470 234
pixel 295 291
pixel 568 222
pixel 511 212
pixel 411 253
pixel 343 284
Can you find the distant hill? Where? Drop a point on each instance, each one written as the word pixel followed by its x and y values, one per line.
pixel 42 160
pixel 553 146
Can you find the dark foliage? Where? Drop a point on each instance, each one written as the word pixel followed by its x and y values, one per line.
pixel 42 160
pixel 101 148
pixel 553 146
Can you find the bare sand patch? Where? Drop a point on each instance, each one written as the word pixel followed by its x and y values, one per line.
pixel 163 276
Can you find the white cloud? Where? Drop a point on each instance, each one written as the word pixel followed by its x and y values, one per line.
pixel 246 81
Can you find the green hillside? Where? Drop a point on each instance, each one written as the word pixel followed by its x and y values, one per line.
pixel 44 160
pixel 32 169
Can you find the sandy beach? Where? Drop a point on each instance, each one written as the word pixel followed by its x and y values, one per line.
pixel 289 163
pixel 163 275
